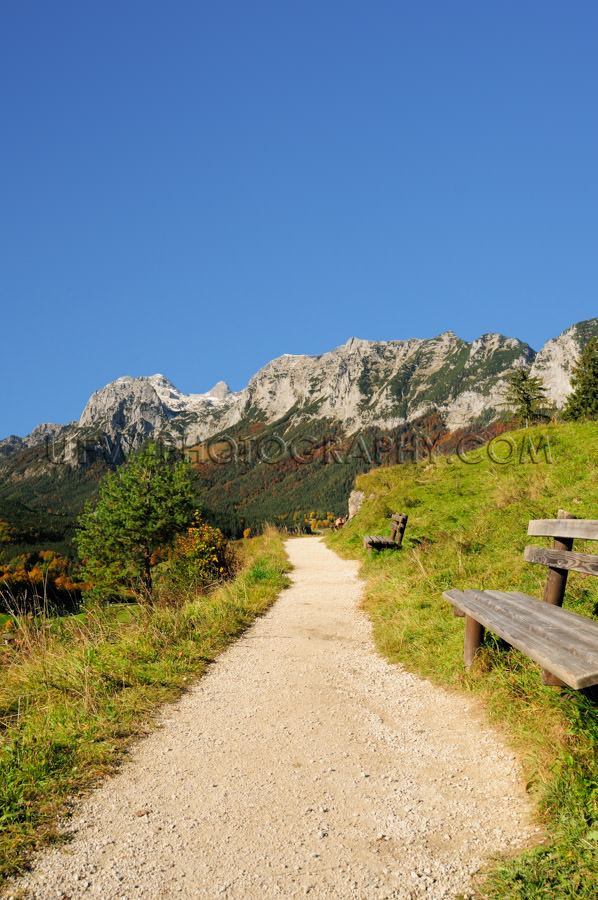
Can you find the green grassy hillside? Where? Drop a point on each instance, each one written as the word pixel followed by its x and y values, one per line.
pixel 467 529
pixel 283 471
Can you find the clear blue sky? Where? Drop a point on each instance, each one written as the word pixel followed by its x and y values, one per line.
pixel 194 188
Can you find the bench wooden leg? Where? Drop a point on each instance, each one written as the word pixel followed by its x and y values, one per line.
pixel 551 680
pixel 474 634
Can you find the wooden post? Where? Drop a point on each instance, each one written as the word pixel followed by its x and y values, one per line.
pixel 554 590
pixel 399 523
pixel 474 634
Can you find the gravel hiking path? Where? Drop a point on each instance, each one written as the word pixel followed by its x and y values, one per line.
pixel 301 763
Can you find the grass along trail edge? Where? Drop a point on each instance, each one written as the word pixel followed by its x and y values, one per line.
pixel 77 692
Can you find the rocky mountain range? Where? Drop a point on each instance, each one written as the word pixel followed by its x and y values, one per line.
pixel 358 385
pixel 362 404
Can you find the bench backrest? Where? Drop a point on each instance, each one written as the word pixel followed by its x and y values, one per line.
pixel 398 523
pixel 561 559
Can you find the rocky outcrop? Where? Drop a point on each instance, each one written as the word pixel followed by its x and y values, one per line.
pixel 554 362
pixel 355 503
pixel 47 431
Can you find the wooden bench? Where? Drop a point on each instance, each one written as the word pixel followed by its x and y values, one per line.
pixel 398 523
pixel 564 643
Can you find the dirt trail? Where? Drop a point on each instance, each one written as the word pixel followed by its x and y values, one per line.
pixel 302 763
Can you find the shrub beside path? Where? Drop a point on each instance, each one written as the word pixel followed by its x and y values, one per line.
pixel 301 763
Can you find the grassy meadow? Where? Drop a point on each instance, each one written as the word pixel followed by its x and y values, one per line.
pixel 467 529
pixel 75 691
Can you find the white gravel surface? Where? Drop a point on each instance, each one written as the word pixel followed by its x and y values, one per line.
pixel 302 763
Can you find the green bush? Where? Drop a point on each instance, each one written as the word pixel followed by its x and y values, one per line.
pixel 198 558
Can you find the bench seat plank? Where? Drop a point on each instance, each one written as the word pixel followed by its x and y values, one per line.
pixel 579 627
pixel 377 541
pixel 541 647
pixel 562 642
pixel 565 631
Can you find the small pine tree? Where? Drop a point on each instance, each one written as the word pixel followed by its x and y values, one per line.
pixel 582 403
pixel 526 396
pixel 139 509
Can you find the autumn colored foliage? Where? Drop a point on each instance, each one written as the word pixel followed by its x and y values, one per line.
pixel 198 557
pixel 33 579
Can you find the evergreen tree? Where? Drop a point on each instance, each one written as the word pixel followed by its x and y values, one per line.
pixel 582 403
pixel 526 396
pixel 140 508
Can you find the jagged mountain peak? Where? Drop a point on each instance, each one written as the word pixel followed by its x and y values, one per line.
pixel 220 391
pixel 162 382
pixel 355 343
